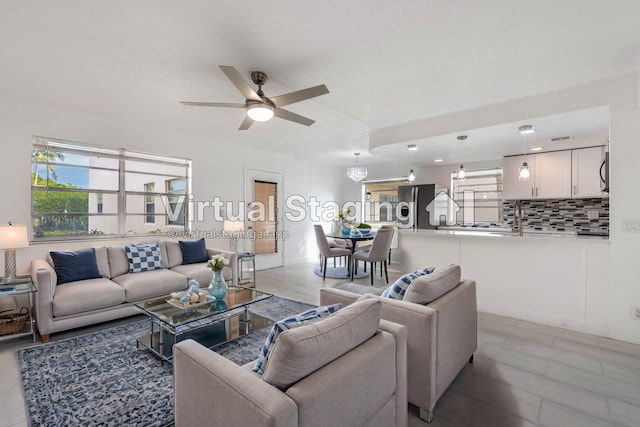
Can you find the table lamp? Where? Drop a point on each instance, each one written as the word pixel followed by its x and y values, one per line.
pixel 11 238
pixel 234 228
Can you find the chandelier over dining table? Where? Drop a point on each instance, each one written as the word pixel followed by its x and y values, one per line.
pixel 357 173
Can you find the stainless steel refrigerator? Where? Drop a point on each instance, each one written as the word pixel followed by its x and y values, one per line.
pixel 421 204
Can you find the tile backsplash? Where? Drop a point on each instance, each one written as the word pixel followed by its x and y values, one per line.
pixel 579 215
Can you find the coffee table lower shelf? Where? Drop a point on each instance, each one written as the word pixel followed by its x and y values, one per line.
pixel 160 340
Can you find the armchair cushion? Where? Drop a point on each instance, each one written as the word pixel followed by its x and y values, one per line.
pixel 428 288
pixel 193 252
pixel 302 351
pixel 290 322
pixel 74 266
pixel 398 288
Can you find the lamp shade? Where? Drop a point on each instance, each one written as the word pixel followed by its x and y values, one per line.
pixel 13 236
pixel 233 226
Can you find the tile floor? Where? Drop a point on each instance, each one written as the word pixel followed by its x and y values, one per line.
pixel 524 374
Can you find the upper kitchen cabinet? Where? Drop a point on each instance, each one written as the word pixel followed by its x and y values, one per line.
pixel 512 187
pixel 550 176
pixel 585 172
pixel 553 175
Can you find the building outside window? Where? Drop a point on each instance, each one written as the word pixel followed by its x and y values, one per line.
pixel 80 191
pixel 176 192
pixel 150 203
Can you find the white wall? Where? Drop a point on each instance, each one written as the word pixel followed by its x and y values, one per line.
pixel 218 169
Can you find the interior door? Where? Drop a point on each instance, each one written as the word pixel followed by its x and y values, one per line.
pixel 264 197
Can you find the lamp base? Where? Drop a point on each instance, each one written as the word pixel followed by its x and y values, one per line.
pixel 10 264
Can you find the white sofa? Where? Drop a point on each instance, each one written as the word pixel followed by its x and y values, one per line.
pixel 86 302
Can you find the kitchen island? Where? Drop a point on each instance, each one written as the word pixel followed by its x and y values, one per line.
pixel 551 278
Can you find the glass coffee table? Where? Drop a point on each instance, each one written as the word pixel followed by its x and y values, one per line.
pixel 209 323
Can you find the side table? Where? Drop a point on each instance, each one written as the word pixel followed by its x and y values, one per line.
pixel 246 257
pixel 20 286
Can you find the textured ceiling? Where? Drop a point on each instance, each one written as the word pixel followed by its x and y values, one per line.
pixel 384 62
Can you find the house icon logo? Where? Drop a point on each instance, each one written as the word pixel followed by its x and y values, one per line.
pixel 442 210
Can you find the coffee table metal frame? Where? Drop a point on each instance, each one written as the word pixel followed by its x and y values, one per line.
pixel 169 320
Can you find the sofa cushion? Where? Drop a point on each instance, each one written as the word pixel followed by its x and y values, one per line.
pixel 428 288
pixel 359 289
pixel 73 266
pixel 144 257
pixel 290 322
pixel 194 251
pixel 172 255
pixel 198 272
pixel 118 263
pixel 150 284
pixel 400 286
pixel 301 351
pixel 86 295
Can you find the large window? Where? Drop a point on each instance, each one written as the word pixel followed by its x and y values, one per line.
pixel 479 196
pixel 79 191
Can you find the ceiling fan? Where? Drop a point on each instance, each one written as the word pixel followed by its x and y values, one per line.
pixel 259 107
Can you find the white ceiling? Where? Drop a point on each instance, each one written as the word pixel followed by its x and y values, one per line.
pixel 384 62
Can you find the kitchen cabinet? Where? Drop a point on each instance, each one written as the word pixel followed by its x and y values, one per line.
pixel 585 172
pixel 550 176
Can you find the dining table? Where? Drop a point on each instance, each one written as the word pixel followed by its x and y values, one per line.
pixel 353 237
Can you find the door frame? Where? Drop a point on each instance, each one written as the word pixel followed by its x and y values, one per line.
pixel 251 175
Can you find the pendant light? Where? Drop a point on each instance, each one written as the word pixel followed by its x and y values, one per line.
pixel 524 172
pixel 461 172
pixel 357 173
pixel 412 176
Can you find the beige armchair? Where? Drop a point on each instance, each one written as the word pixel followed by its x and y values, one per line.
pixel 442 335
pixel 318 375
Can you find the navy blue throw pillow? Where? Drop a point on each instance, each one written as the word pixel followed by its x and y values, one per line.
pixel 194 251
pixel 72 266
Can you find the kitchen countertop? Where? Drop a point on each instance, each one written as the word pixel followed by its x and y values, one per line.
pixel 505 233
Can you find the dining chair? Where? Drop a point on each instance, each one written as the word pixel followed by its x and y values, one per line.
pixel 379 252
pixel 328 252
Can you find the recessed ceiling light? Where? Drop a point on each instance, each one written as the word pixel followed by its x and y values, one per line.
pixel 438 160
pixel 537 148
pixel 412 147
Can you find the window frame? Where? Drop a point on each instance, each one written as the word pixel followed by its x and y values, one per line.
pixel 115 185
pixel 461 195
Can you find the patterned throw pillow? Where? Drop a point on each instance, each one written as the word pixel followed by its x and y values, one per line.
pixel 400 286
pixel 291 322
pixel 144 257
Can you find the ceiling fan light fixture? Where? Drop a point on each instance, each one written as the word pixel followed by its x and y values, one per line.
pixel 260 112
pixel 357 173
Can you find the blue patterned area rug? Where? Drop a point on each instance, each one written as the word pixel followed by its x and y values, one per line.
pixel 102 379
pixel 340 273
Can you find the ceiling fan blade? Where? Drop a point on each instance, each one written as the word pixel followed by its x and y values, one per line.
pixel 242 85
pixel 246 123
pixel 288 115
pixel 300 95
pixel 214 104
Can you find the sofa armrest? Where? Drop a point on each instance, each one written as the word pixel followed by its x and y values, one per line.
pixel 422 327
pixel 44 278
pixel 457 331
pixel 209 387
pixel 330 296
pixel 400 333
pixel 233 261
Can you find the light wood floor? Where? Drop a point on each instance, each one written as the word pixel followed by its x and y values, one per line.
pixel 524 374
